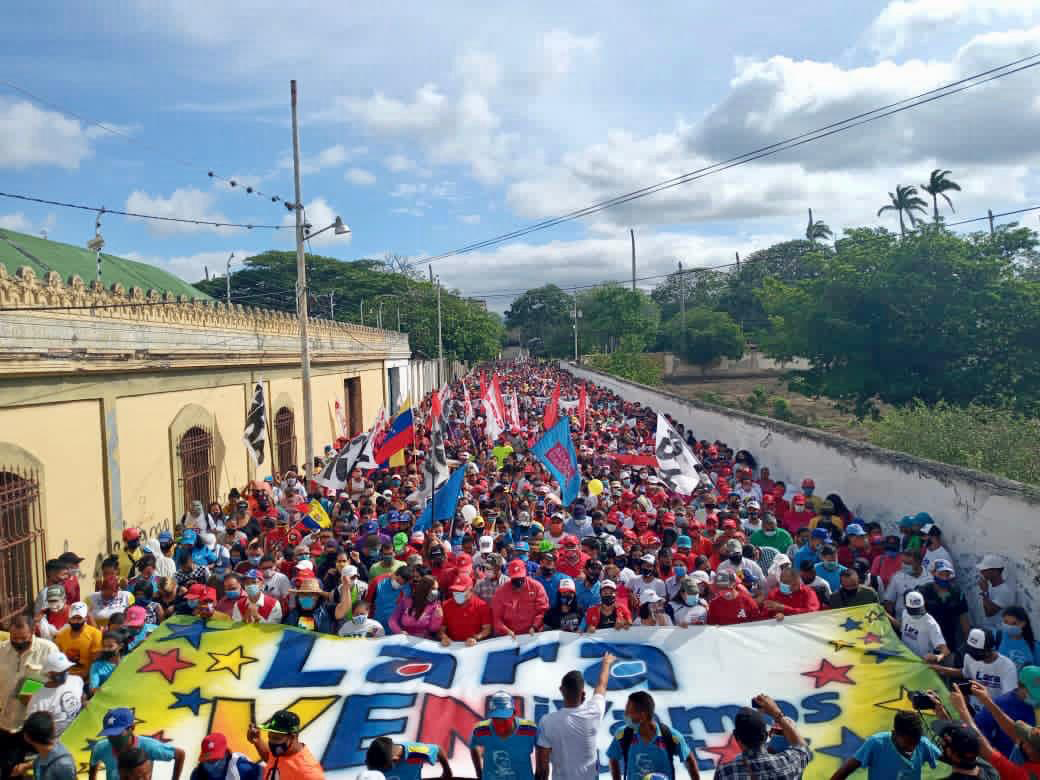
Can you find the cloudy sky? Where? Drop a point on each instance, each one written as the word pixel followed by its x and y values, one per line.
pixel 430 126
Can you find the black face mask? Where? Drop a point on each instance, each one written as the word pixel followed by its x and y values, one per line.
pixel 591 575
pixel 621 561
pixel 133 544
pixel 108 655
pixel 21 647
pixel 647 571
pixel 736 558
pixel 665 568
pixel 518 582
pixel 977 654
pixel 607 601
pixel 279 748
pixel 58 677
pixel 566 601
pixel 120 741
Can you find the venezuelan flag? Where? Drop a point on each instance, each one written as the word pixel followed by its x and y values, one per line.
pixel 399 435
pixel 315 519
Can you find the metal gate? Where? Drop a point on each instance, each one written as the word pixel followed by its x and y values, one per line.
pixel 285 438
pixel 198 476
pixel 22 550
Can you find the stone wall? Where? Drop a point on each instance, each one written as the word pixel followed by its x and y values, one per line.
pixel 978 513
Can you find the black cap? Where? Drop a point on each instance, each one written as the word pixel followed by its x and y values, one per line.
pixel 750 727
pixel 283 722
pixel 70 558
pixel 961 739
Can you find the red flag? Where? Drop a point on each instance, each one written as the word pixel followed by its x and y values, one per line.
pixel 582 405
pixel 483 385
pixel 552 411
pixel 498 398
pixel 435 406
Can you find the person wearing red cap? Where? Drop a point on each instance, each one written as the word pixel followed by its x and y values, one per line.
pixel 520 605
pixel 131 552
pixel 571 560
pixel 798 516
pixel 218 762
pixel 467 618
pixel 733 604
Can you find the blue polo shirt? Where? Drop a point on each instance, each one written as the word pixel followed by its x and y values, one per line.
pixel 587 597
pixel 646 757
pixel 416 755
pixel 103 754
pixel 883 760
pixel 551 585
pixel 506 758
pixel 831 576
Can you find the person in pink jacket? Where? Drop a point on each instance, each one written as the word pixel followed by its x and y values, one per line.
pixel 419 614
pixel 519 606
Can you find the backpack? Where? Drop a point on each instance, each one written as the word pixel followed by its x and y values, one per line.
pixel 668 736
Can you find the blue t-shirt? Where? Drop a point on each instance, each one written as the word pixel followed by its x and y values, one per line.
pixel 646 757
pixel 1017 649
pixel 884 761
pixel 506 758
pixel 416 755
pixel 805 553
pixel 587 597
pixel 99 672
pixel 831 576
pixel 386 601
pixel 1014 708
pixel 551 585
pixel 103 754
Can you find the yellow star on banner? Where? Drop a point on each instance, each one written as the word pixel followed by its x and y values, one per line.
pixel 232 662
pixel 839 645
pixel 900 704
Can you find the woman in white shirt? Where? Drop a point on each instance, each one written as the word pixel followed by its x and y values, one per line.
pixel 653 610
pixel 688 606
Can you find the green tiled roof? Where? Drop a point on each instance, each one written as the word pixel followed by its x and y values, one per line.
pixel 42 255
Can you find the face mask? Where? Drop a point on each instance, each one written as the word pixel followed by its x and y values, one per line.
pixel 942 584
pixel 359 620
pixel 1013 631
pixel 647 571
pixel 908 568
pixel 213 768
pixel 690 599
pixel 547 571
pixel 665 568
pixel 830 565
pixel 434 596
pixel 75 628
pixel 109 655
pixel 977 654
pixel 59 677
pixel 460 598
pixel 518 582
pixel 252 591
pixel 303 557
pixel 592 576
pixel 133 545
pixel 611 527
pixel 522 556
pixel 279 748
pixel 785 588
pixel 232 594
pixel 268 573
pixel 680 571
pixel 566 600
pixel 915 611
pixel 396 585
pixel 120 741
pixel 192 603
pixel 607 601
pixel 254 559
pixel 769 532
pixel 387 560
pixel 307 602
pixel 736 558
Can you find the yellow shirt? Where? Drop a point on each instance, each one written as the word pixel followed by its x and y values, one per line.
pixel 80 648
pixel 836 519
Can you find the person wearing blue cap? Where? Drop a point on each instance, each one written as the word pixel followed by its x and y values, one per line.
pixel 502 746
pixel 811 550
pixel 117 730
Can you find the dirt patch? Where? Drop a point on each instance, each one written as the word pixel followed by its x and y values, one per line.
pixel 769 396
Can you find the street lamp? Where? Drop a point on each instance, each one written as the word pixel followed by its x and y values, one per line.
pixel 337 227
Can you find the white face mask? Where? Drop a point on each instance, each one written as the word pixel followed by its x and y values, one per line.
pixel 461 597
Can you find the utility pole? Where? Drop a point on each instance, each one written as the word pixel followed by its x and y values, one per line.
pixel 576 327
pixel 398 318
pixel 738 261
pixel 301 295
pixel 632 234
pixel 205 270
pixel 332 305
pixel 440 341
pixel 362 311
pixel 227 277
pixel 682 307
pixel 992 230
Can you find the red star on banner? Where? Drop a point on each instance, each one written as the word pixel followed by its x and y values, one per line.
pixel 725 752
pixel 871 639
pixel 828 673
pixel 167 664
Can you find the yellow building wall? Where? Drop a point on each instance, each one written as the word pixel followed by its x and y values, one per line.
pixel 66 439
pixel 146 474
pixel 372 395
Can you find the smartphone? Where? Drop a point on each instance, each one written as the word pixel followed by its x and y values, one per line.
pixel 964 688
pixel 921 701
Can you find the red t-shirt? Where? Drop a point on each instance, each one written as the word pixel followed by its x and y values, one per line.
pixel 726 612
pixel 461 621
pixel 1009 771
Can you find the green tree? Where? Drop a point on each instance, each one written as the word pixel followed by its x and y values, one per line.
pixel 545 317
pixel 613 313
pixel 470 333
pixel 701 286
pixel 906 203
pixel 939 185
pixel 818 230
pixel 705 336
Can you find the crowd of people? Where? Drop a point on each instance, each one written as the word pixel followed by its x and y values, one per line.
pixel 515 560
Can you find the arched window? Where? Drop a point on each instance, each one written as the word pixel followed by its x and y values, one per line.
pixel 198 477
pixel 22 550
pixel 285 439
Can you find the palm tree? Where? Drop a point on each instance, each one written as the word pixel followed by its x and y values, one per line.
pixel 905 202
pixel 938 185
pixel 817 230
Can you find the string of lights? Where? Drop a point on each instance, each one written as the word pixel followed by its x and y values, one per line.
pixel 231 182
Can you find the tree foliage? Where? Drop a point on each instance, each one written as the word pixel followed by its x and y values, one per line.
pixel 705 336
pixel 470 333
pixel 545 317
pixel 612 313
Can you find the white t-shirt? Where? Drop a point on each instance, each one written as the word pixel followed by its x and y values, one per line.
pixel 278 586
pixel 1000 676
pixel 571 733
pixel 63 703
pixel 931 556
pixel 901 584
pixel 921 634
pixel 697 615
pixel 637 585
pixel 1003 595
pixel 370 628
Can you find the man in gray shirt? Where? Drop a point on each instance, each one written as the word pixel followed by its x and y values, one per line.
pixel 53 760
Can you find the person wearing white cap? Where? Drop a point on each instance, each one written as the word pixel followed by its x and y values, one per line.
pixel 647 580
pixel 920 631
pixel 995 592
pixel 984 665
pixel 61 694
pixel 654 610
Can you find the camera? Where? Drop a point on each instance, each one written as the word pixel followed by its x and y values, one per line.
pixel 921 700
pixel 964 688
pixel 755 704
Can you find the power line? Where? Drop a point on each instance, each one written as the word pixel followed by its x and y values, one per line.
pixel 234 184
pixel 793 142
pixel 137 215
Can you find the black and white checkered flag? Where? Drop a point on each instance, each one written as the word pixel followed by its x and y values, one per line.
pixel 255 433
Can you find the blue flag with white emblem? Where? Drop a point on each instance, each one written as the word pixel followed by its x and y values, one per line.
pixel 556 450
pixel 444 501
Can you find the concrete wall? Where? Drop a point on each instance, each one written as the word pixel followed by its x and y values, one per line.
pixel 978 513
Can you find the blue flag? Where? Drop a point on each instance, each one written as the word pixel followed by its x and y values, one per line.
pixel 445 500
pixel 556 450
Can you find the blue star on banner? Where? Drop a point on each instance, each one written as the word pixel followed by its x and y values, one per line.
pixel 850 743
pixel 851 625
pixel 191 633
pixel 881 654
pixel 192 700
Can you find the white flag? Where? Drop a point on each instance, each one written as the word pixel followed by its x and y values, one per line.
pixel 493 416
pixel 514 410
pixel 337 471
pixel 677 465
pixel 255 434
pixel 467 404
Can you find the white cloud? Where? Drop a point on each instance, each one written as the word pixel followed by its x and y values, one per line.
pixel 470 219
pixel 16 222
pixel 359 176
pixel 902 23
pixel 320 215
pixel 560 48
pixel 31 136
pixel 192 268
pixel 188 203
pixel 398 163
pixel 411 212
pixel 329 157
pixel 407 190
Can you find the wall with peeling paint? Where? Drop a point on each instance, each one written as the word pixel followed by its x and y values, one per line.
pixel 978 513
